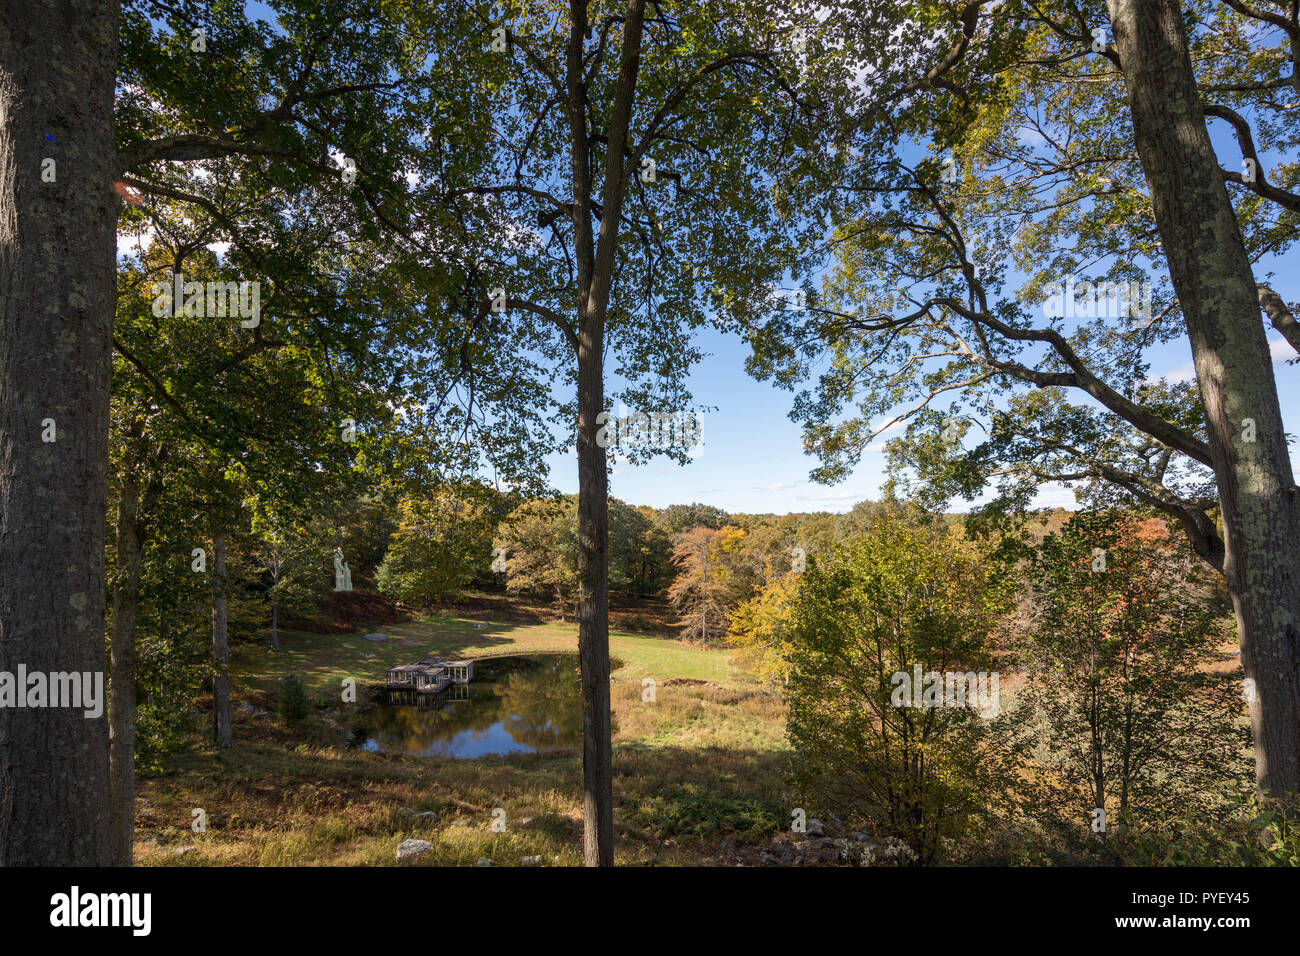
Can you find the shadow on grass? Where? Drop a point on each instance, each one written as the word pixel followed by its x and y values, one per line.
pixel 271 800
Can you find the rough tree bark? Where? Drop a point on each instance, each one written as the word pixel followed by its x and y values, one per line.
pixel 58 62
pixel 595 258
pixel 1212 276
pixel 222 733
pixel 593 608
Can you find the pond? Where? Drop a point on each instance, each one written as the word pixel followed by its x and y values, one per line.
pixel 514 705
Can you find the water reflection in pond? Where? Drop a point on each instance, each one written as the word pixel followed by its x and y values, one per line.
pixel 514 705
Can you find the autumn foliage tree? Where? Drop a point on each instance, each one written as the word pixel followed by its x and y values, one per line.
pixel 906 596
pixel 760 630
pixel 443 541
pixel 1140 711
pixel 708 582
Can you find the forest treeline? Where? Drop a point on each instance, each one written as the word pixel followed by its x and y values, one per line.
pixel 1117 729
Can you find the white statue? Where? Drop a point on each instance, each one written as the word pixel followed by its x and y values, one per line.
pixel 342 573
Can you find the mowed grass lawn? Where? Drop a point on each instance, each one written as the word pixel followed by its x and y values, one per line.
pixel 323 661
pixel 697 772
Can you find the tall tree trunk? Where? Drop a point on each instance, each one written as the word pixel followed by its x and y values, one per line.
pixel 126 595
pixel 134 506
pixel 1216 288
pixel 593 608
pixel 58 62
pixel 222 734
pixel 275 626
pixel 595 258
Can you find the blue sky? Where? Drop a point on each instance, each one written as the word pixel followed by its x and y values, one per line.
pixel 751 455
pixel 751 458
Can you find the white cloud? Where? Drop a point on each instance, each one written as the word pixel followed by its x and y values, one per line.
pixel 834 496
pixel 1050 495
pixel 1183 373
pixel 132 243
pixel 1029 136
pixel 779 486
pixel 878 445
pixel 1280 350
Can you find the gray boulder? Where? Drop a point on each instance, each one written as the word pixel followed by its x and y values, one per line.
pixel 413 849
